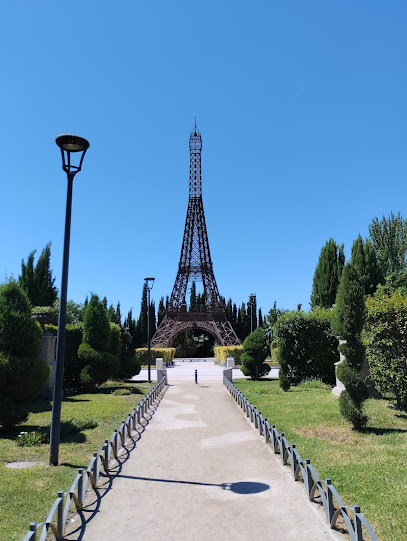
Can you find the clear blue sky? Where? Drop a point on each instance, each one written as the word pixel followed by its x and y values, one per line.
pixel 302 109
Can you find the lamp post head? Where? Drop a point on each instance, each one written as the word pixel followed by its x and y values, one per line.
pixel 148 280
pixel 71 144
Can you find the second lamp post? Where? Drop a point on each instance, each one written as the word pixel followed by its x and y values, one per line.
pixel 149 281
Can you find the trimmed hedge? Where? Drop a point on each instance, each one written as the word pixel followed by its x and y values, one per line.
pixel 223 352
pixel 167 354
pixel 306 347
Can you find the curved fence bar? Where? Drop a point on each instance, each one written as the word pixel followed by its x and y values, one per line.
pixel 354 521
pixel 58 514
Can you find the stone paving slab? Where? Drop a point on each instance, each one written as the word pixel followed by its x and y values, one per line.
pixel 201 472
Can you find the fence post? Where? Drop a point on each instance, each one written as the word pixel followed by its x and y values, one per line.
pixel 331 509
pixel 33 528
pixel 358 524
pixel 60 523
pixel 308 476
pixel 80 487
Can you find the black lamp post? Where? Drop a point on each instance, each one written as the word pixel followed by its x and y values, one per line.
pixel 252 298
pixel 68 144
pixel 149 288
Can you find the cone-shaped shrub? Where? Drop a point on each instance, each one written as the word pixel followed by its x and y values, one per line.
pixel 255 353
pixel 95 351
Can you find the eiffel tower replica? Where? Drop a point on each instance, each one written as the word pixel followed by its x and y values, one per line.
pixel 195 264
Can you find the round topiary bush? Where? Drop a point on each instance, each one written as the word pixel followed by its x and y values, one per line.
pixel 351 400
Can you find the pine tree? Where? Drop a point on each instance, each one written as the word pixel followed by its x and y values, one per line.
pixel 327 275
pixel 364 260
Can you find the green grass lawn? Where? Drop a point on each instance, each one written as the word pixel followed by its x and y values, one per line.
pixel 367 468
pixel 27 494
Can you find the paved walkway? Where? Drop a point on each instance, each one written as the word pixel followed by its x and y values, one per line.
pixel 201 472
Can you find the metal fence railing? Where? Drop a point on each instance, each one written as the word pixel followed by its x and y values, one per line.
pixel 355 522
pixel 58 514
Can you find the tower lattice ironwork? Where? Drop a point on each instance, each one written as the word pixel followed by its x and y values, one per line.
pixel 195 264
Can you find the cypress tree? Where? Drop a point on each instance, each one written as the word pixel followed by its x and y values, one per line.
pixel 364 260
pixel 161 311
pixel 118 316
pixel 327 275
pixel 193 298
pixel 142 320
pixel 349 316
pixel 229 311
pixel 37 281
pixel 260 318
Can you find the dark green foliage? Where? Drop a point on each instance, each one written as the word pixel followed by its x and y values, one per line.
pixel 22 374
pixel 327 275
pixel 351 400
pixel 72 364
pixel 349 315
pixel 271 318
pixel 87 379
pixel 19 333
pixel 115 340
pixel 161 311
pixel 389 238
pixel 193 298
pixel 96 327
pixel 21 378
pixel 95 351
pixel 306 347
pixel 384 336
pixel 11 413
pixel 103 365
pixel 141 335
pixel 38 282
pixel 364 260
pixel 255 349
pixel 284 380
pixel 129 366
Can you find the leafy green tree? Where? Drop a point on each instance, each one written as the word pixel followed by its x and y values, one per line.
pixel 384 336
pixel 74 311
pixel 327 275
pixel 255 353
pixel 306 348
pixel 37 281
pixel 389 238
pixel 22 373
pixel 364 260
pixel 349 316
